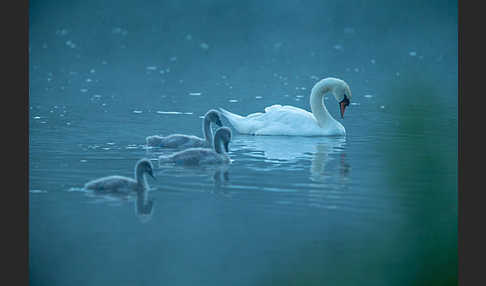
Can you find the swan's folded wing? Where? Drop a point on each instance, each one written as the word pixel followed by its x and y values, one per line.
pixel 180 140
pixel 111 184
pixel 192 156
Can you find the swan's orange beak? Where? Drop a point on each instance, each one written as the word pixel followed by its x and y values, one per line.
pixel 343 105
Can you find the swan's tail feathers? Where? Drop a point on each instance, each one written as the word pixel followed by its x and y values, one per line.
pixel 236 120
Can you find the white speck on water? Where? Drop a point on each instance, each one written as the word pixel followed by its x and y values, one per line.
pixel 110 143
pixel 188 113
pixel 258 97
pixel 83 90
pixel 68 123
pixel 188 37
pixel 97 96
pixel 137 111
pixel 204 46
pixel 412 54
pixel 286 95
pixel 368 95
pixel 313 77
pixel 151 68
pixel 83 161
pixel 37 191
pixel 195 93
pixel 167 70
pixel 43 122
pixel 44 46
pixel 382 107
pixel 168 112
pixel 104 62
pixel 338 47
pixel 356 69
pixel 355 103
pixel 233 100
pixel 49 79
pixel 62 32
pixel 349 30
pixel 103 104
pixel 397 73
pixel 92 71
pixel 70 44
pixel 224 77
pixel 277 45
pixel 173 59
pixel 373 61
pixel 37 117
pixel 297 99
pixel 119 31
pixel 162 71
pixel 299 96
pixel 106 148
pixel 89 80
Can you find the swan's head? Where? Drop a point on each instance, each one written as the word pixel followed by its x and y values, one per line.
pixel 145 166
pixel 214 116
pixel 224 133
pixel 342 93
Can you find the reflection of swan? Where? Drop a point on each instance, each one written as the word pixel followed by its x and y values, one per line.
pixel 124 185
pixel 181 141
pixel 321 159
pixel 289 120
pixel 203 156
pixel 186 174
pixel 280 148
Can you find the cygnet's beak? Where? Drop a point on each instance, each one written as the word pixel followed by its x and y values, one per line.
pixel 152 175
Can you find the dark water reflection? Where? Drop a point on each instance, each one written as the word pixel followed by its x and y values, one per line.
pixel 378 207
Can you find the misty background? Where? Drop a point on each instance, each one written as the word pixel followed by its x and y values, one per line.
pixel 376 208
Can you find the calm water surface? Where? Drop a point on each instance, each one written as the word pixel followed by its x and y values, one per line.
pixel 377 207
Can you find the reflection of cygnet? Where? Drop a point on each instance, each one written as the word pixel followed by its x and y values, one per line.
pixel 181 141
pixel 144 207
pixel 203 156
pixel 124 185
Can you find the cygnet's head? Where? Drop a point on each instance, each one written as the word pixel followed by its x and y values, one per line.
pixel 145 166
pixel 225 134
pixel 342 93
pixel 214 116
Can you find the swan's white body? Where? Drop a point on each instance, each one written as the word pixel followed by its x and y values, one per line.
pixel 294 121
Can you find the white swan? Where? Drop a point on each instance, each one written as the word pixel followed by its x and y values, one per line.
pixel 203 156
pixel 181 141
pixel 124 185
pixel 290 120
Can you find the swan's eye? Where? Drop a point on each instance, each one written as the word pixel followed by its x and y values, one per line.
pixel 345 100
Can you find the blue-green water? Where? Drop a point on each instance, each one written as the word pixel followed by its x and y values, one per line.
pixel 378 207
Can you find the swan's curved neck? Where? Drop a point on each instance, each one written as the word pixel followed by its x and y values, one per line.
pixel 218 144
pixel 207 131
pixel 140 177
pixel 318 107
